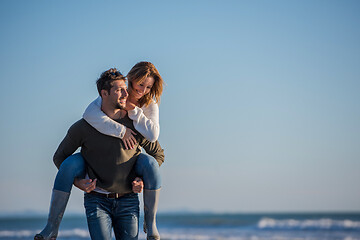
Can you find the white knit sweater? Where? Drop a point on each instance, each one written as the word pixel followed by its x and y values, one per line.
pixel 145 119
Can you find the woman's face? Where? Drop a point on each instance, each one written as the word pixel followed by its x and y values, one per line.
pixel 141 89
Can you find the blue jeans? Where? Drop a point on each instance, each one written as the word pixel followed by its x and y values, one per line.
pixel 147 168
pixel 73 167
pixel 121 214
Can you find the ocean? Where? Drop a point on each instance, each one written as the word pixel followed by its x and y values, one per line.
pixel 190 226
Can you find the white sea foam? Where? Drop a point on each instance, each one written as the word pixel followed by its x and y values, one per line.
pixel 324 223
pixel 16 234
pixel 195 234
pixel 76 232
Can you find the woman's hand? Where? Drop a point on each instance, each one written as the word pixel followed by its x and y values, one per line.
pixel 129 139
pixel 137 185
pixel 86 185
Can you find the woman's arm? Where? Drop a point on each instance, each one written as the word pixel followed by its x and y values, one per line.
pixel 146 121
pixel 101 122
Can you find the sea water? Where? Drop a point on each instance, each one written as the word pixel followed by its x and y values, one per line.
pixel 310 226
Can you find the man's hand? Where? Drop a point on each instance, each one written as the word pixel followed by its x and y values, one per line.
pixel 86 185
pixel 129 139
pixel 137 185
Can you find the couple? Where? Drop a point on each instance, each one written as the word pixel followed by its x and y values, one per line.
pixel 110 167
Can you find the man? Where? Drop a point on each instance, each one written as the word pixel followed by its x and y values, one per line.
pixel 112 204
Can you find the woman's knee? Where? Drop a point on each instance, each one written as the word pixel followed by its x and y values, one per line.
pixel 73 164
pixel 148 169
pixel 147 162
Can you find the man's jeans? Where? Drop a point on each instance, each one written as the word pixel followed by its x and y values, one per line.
pixel 104 213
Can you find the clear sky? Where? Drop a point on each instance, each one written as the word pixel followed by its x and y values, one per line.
pixel 261 111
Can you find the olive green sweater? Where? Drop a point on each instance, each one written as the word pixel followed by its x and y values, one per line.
pixel 106 158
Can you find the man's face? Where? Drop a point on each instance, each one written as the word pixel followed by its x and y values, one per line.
pixel 118 94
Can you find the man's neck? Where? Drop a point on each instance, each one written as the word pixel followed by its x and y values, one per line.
pixel 113 113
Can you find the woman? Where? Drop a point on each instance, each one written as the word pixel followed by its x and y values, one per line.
pixel 145 89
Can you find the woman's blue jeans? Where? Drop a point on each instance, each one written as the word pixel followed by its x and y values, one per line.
pixel 147 168
pixel 73 167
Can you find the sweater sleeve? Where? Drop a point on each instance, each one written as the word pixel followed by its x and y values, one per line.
pixel 101 122
pixel 69 144
pixel 153 149
pixel 146 121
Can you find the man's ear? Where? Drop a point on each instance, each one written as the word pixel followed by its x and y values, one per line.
pixel 104 93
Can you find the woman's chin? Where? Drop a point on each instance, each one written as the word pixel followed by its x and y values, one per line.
pixel 137 96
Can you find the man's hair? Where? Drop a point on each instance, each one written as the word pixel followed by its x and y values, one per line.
pixel 107 78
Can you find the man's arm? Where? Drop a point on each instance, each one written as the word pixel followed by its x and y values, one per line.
pixel 86 185
pixel 153 149
pixel 69 144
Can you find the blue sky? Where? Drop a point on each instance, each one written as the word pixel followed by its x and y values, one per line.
pixel 261 111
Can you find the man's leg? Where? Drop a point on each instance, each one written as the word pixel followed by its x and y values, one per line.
pixel 126 217
pixel 98 215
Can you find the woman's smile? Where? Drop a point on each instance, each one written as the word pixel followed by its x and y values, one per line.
pixel 143 88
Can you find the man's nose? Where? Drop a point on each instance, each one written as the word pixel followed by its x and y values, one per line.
pixel 125 93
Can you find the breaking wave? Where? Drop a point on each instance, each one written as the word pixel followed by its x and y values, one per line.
pixel 311 224
pixel 76 232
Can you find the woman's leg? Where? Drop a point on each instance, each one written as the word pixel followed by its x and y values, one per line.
pixel 72 167
pixel 147 168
